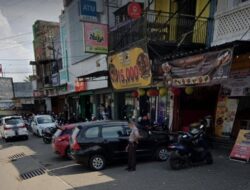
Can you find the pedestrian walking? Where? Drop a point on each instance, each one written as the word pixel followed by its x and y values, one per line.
pixel 132 145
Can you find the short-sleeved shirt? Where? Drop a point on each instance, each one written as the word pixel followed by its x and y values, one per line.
pixel 134 135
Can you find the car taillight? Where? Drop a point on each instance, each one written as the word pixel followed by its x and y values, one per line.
pixel 6 128
pixel 23 126
pixel 75 146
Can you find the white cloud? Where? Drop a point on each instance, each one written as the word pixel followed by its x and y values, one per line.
pixel 10 49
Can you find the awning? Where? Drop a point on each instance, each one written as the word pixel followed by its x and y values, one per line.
pixel 94 74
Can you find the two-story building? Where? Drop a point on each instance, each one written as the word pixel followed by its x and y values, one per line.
pixel 145 36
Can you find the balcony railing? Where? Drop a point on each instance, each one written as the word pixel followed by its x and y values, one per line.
pixel 160 26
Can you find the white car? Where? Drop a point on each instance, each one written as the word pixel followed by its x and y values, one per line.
pixel 40 122
pixel 13 126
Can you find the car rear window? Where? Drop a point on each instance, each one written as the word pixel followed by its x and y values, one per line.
pixel 13 121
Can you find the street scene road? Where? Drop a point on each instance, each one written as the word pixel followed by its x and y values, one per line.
pixel 19 157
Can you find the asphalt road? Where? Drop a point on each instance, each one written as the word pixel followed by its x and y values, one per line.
pixel 61 173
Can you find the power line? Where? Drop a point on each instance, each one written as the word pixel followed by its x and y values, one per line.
pixel 14 36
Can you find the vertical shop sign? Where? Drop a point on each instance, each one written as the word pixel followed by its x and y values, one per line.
pixel 225 115
pixel 241 149
pixel 88 10
pixel 96 38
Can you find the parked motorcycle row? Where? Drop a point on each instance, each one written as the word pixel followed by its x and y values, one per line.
pixel 82 142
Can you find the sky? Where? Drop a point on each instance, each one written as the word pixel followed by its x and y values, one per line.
pixel 16 20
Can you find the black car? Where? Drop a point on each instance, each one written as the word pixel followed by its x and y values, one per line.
pixel 96 143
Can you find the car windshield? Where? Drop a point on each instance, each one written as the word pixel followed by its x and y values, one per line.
pixel 45 119
pixel 13 121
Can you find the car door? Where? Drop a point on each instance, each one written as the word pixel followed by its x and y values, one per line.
pixel 89 139
pixel 115 141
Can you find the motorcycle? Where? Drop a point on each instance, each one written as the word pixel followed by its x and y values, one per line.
pixel 190 149
pixel 48 134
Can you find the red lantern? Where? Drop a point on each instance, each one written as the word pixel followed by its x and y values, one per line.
pixel 135 94
pixel 153 92
pixel 176 91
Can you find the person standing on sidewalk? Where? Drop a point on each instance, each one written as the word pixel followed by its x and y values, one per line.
pixel 132 145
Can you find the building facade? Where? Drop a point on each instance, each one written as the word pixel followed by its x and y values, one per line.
pixel 83 27
pixel 142 41
pixel 232 29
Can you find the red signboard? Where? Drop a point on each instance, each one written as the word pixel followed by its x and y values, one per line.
pixel 80 86
pixel 134 10
pixel 241 149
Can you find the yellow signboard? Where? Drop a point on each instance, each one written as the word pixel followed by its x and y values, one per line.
pixel 130 69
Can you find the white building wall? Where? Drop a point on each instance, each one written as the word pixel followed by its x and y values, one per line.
pixel 232 21
pixel 79 62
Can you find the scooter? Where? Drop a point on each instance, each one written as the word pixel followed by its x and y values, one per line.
pixel 48 134
pixel 190 149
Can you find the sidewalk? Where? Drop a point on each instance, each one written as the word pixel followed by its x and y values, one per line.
pixel 15 161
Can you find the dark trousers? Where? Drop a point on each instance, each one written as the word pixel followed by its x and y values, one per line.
pixel 132 155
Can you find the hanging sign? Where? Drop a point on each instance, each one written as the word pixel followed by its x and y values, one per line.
pixel 241 149
pixel 134 10
pixel 198 69
pixel 130 69
pixel 96 38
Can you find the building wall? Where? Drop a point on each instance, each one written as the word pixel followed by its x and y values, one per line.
pixel 78 62
pixel 231 21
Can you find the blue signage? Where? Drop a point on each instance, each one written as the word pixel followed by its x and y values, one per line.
pixel 88 8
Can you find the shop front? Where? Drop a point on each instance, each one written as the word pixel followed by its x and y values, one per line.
pixel 135 95
pixel 235 95
pixel 195 86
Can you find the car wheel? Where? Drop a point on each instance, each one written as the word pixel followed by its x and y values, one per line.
pixel 97 162
pixel 26 137
pixel 162 154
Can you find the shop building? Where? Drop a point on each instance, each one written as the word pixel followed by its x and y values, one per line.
pixel 84 42
pixel 140 42
pixel 45 65
pixel 230 29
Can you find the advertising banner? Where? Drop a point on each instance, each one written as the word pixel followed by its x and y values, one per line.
pixel 130 69
pixel 6 88
pixel 225 115
pixel 80 86
pixel 198 69
pixel 241 149
pixel 96 38
pixel 236 87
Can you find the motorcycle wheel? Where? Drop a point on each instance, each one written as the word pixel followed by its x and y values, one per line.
pixel 46 141
pixel 175 161
pixel 209 158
